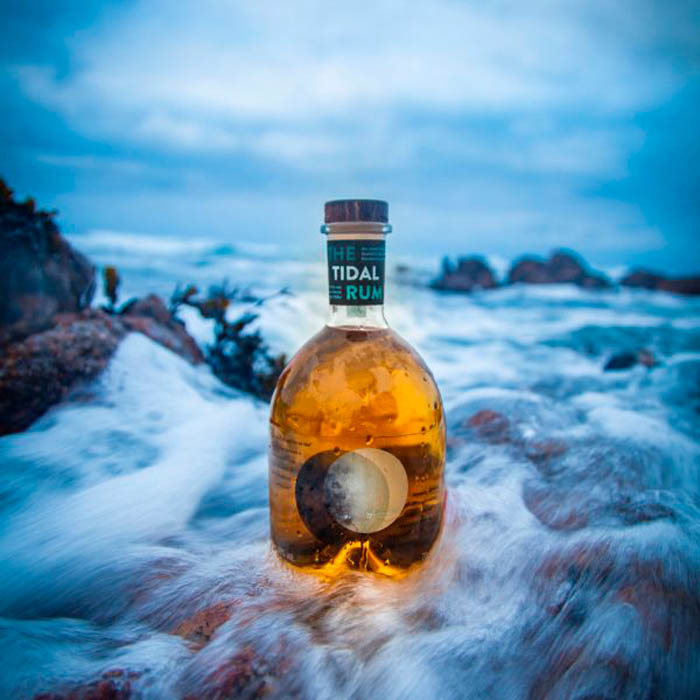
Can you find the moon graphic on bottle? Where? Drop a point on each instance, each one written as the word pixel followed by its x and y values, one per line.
pixel 365 490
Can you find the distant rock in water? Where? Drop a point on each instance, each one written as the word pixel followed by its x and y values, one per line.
pixel 626 360
pixel 470 274
pixel 561 268
pixel 645 279
pixel 40 273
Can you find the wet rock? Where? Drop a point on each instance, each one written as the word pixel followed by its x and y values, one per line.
pixel 554 509
pixel 598 483
pixel 645 279
pixel 244 675
pixel 490 426
pixel 40 273
pixel 113 685
pixel 39 371
pixel 200 628
pixel 151 317
pixel 470 274
pixel 542 452
pixel 561 268
pixel 626 360
pixel 653 598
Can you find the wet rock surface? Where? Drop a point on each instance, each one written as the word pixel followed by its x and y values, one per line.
pixel 41 274
pixel 43 368
pixel 39 371
pixel 561 268
pixel 151 317
pixel 114 684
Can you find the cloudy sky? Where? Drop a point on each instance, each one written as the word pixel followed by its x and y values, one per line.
pixel 492 127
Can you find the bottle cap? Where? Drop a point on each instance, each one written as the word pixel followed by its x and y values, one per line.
pixel 351 210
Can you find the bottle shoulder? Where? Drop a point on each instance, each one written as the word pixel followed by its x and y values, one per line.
pixel 372 379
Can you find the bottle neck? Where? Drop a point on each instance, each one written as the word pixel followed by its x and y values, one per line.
pixel 355 254
pixel 360 317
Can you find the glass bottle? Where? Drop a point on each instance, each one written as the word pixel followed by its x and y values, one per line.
pixel 357 434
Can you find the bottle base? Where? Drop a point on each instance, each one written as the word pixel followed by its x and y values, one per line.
pixel 355 556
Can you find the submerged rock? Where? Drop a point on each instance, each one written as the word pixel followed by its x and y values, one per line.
pixel 645 279
pixel 40 273
pixel 490 426
pixel 470 274
pixel 200 627
pixel 561 268
pixel 113 685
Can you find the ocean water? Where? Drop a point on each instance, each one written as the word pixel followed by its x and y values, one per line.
pixel 569 566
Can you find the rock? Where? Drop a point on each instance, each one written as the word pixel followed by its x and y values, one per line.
pixel 625 360
pixel 113 685
pixel 645 279
pixel 40 273
pixel 551 507
pixel 151 317
pixel 490 426
pixel 243 675
pixel 561 268
pixel 470 274
pixel 200 628
pixel 37 372
pixel 542 452
pixel 40 370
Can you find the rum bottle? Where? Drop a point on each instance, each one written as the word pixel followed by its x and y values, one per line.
pixel 357 435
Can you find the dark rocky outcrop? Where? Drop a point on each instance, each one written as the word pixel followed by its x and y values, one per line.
pixel 470 274
pixel 561 268
pixel 49 340
pixel 645 279
pixel 40 273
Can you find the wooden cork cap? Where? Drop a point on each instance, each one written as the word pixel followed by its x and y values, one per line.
pixel 349 210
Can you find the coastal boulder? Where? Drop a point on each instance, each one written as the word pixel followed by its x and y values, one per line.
pixel 561 268
pixel 470 274
pixel 151 317
pixel 41 275
pixel 39 371
pixel 645 279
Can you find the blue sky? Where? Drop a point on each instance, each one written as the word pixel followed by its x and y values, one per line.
pixel 491 127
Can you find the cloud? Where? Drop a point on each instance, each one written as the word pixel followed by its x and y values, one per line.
pixel 167 72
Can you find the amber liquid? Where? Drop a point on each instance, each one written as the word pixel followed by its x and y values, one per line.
pixel 348 389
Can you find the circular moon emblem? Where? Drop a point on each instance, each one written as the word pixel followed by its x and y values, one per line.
pixel 366 490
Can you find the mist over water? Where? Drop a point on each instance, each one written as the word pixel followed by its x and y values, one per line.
pixel 569 566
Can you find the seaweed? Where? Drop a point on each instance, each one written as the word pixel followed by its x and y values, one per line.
pixel 238 357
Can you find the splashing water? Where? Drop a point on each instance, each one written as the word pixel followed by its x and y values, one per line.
pixel 134 540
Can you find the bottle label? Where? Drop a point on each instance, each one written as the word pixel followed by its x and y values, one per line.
pixel 362 491
pixel 356 272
